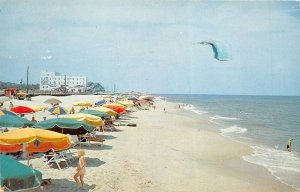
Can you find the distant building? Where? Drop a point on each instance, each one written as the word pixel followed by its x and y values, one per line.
pixel 95 87
pixel 51 81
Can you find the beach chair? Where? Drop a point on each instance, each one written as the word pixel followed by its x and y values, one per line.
pixel 91 138
pixel 68 155
pixel 56 158
pixel 74 140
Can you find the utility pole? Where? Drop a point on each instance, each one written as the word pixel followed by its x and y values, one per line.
pixel 114 88
pixel 27 87
pixel 65 83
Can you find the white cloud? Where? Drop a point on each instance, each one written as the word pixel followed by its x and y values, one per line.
pixel 46 57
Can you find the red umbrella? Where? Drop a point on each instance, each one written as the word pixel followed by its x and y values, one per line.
pixel 116 109
pixel 22 110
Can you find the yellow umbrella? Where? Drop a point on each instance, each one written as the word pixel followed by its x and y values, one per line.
pixel 38 108
pixel 105 110
pixel 21 93
pixel 86 118
pixel 114 104
pixel 83 103
pixel 38 140
pixel 128 103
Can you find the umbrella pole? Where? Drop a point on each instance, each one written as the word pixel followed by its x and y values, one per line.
pixel 26 153
pixel 27 156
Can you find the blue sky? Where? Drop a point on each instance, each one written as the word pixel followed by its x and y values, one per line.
pixel 148 45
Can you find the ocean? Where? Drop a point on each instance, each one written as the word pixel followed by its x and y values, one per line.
pixel 264 122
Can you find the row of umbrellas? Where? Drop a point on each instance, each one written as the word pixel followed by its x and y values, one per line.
pixel 39 140
pixel 111 110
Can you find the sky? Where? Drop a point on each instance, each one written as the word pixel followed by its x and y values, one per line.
pixel 150 45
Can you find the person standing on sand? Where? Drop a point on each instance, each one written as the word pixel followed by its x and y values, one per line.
pixel 11 105
pixel 80 171
pixel 289 145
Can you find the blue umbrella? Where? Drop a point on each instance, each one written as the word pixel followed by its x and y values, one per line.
pixel 101 102
pixel 17 176
pixel 5 112
pixel 14 121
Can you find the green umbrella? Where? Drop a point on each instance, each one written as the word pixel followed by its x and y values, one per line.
pixel 14 121
pixel 96 113
pixel 65 125
pixel 15 175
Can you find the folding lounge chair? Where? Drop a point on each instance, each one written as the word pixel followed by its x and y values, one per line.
pixel 74 140
pixel 55 158
pixel 90 138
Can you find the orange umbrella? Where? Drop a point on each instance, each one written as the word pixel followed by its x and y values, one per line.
pixel 37 140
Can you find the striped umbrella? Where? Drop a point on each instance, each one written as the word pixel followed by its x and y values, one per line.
pixel 5 112
pixel 58 111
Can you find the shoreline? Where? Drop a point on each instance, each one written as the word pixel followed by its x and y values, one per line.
pixel 250 151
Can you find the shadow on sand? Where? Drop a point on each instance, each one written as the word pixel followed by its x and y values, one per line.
pixel 108 137
pixel 96 147
pixel 91 162
pixel 66 185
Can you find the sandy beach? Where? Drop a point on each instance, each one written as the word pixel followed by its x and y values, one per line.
pixel 167 151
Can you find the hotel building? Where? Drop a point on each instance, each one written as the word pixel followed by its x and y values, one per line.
pixel 51 81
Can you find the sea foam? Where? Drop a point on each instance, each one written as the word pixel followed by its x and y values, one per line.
pixel 194 109
pixel 233 129
pixel 216 117
pixel 281 164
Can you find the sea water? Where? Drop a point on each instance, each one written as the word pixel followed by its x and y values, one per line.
pixel 264 122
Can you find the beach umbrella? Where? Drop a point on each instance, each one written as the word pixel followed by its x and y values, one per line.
pixel 22 110
pixel 37 140
pixel 58 111
pixel 127 103
pixel 38 108
pixel 83 103
pixel 86 118
pixel 65 125
pixel 21 93
pixel 16 176
pixel 95 112
pixel 52 101
pixel 115 105
pixel 105 110
pixel 5 112
pixel 133 99
pixel 101 102
pixel 117 109
pixel 14 121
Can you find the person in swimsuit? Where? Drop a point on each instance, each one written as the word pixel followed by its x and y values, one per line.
pixel 289 145
pixel 80 171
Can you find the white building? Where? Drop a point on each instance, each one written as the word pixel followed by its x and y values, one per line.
pixel 50 81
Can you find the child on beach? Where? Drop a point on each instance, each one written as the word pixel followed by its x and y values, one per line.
pixel 80 169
